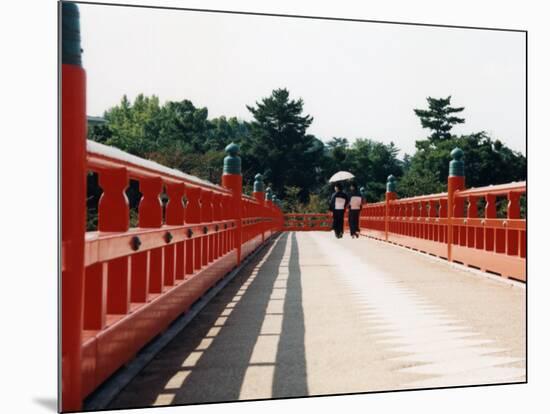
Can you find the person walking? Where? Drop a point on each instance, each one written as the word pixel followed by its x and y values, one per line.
pixel 338 204
pixel 355 204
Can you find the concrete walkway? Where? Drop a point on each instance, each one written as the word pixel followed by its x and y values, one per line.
pixel 314 315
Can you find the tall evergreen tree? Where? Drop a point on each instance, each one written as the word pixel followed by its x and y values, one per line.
pixel 439 118
pixel 487 161
pixel 279 146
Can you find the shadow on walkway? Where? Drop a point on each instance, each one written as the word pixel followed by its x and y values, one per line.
pixel 290 377
pixel 247 343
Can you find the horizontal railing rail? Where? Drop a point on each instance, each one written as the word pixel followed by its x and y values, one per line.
pixel 499 189
pixel 100 157
pixel 307 222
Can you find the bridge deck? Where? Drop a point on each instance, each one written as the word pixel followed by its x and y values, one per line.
pixel 313 315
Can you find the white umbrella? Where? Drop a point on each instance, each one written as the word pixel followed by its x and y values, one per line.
pixel 341 176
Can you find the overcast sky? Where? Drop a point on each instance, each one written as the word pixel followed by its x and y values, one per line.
pixel 356 79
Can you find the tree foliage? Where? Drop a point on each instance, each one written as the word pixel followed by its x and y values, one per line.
pixel 279 146
pixel 439 118
pixel 487 161
pixel 295 163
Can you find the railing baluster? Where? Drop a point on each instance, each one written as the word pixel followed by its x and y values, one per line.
pixel 175 216
pixel 206 218
pixel 95 299
pixel 443 214
pixel 490 213
pixel 193 216
pixel 114 216
pixel 216 216
pixel 513 213
pixel 150 216
pixel 472 214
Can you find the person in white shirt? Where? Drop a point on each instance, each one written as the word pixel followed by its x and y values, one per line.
pixel 355 204
pixel 338 204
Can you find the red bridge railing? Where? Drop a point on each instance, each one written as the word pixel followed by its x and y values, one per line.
pixel 122 286
pixel 138 280
pixel 307 222
pixel 460 225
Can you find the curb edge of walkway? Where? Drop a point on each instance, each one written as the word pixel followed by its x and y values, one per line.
pixel 100 399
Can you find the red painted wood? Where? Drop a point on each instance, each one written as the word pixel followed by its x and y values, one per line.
pixel 234 182
pixel 180 261
pixel 113 209
pixel 156 271
pixel 175 212
pixel 150 206
pixel 512 235
pixel 169 265
pixel 118 286
pixel 95 298
pixel 139 291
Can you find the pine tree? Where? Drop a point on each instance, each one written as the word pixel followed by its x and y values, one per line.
pixel 279 146
pixel 439 118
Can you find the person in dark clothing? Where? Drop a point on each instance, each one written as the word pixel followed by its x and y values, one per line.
pixel 355 203
pixel 338 204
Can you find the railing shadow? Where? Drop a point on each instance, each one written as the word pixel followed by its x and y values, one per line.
pixel 210 360
pixel 290 377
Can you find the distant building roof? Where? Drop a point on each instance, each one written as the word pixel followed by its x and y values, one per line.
pixel 96 120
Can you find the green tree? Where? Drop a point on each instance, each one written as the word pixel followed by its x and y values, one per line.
pixel 99 133
pixel 226 130
pixel 439 118
pixel 487 161
pixel 291 203
pixel 133 126
pixel 371 162
pixel 183 126
pixel 278 145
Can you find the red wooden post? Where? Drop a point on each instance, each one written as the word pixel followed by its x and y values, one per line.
pixel 232 179
pixel 175 213
pixel 455 182
pixel 150 206
pixel 211 233
pixel 175 216
pixel 490 213
pixel 73 206
pixel 269 206
pixel 221 234
pixel 193 216
pixel 217 217
pixel 423 223
pixel 113 215
pixel 113 208
pixel 150 216
pixel 443 213
pixel 472 214
pixel 245 215
pixel 513 212
pixel 417 207
pixel 169 273
pixel 206 218
pixel 403 212
pixel 409 215
pixel 95 298
pixel 139 290
pixel 390 196
pixel 226 215
pixel 432 212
